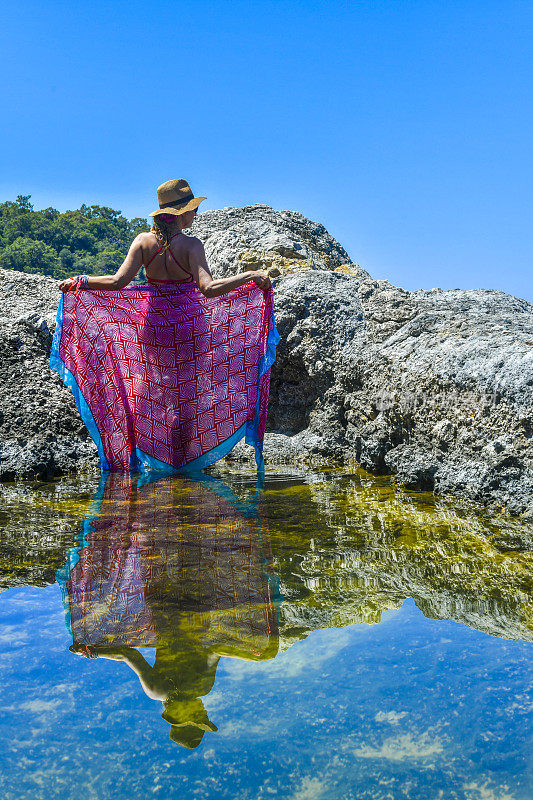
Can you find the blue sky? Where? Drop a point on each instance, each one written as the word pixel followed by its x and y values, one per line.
pixel 404 126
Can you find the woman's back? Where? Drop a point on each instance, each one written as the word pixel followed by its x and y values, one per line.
pixel 171 264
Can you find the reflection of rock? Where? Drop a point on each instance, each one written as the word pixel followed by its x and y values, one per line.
pixel 374 548
pixel 347 548
pixel 37 525
pixel 434 386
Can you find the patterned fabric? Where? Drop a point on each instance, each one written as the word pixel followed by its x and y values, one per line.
pixel 165 378
pixel 182 567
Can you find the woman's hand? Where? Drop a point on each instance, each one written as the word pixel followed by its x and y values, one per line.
pixel 116 653
pixel 262 280
pixel 66 285
pixel 83 650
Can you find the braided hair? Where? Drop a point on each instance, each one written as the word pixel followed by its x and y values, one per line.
pixel 162 229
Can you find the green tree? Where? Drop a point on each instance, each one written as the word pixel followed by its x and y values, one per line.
pixel 67 260
pixel 108 261
pixel 23 202
pixel 26 255
pixel 91 239
pixel 137 225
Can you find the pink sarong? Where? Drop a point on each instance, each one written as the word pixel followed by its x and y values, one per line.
pixel 165 378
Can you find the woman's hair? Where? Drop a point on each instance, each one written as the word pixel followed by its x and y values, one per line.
pixel 161 228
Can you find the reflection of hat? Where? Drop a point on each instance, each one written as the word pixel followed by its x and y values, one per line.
pixel 188 736
pixel 188 720
pixel 175 197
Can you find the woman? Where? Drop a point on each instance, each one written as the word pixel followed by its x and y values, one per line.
pixel 172 374
pixel 168 255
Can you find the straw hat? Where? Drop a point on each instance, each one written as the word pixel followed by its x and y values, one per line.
pixel 175 197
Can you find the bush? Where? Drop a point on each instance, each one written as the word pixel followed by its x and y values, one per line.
pixel 92 239
pixel 26 255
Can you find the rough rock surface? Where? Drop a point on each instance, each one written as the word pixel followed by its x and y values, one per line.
pixel 257 237
pixel 41 433
pixel 433 386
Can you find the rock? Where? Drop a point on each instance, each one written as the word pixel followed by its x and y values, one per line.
pixel 433 386
pixel 258 237
pixel 41 433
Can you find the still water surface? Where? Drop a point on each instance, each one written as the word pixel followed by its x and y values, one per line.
pixel 323 636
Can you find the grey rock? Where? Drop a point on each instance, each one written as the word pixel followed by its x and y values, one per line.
pixel 258 237
pixel 433 386
pixel 41 433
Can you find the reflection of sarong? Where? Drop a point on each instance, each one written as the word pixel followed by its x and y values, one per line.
pixel 173 562
pixel 163 377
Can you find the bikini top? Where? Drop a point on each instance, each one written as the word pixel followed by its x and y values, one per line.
pixel 164 280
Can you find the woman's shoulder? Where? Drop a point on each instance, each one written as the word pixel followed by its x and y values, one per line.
pixel 191 242
pixel 145 239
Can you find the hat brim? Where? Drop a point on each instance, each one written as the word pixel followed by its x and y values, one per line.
pixel 194 203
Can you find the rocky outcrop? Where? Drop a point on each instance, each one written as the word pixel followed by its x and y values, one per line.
pixel 433 386
pixel 258 237
pixel 41 433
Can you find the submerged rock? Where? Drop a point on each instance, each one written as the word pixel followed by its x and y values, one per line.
pixel 434 386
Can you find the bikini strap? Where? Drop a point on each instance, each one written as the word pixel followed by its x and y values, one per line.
pixel 186 271
pixel 162 246
pixel 154 255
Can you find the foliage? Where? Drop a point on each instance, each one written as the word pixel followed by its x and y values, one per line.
pixel 92 239
pixel 28 255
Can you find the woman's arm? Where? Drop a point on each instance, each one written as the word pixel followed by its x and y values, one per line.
pixel 154 685
pixel 124 274
pixel 215 287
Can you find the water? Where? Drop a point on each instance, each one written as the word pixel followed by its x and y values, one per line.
pixel 323 636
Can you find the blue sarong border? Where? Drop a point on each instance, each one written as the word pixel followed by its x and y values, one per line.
pixel 252 427
pixel 205 460
pixel 57 364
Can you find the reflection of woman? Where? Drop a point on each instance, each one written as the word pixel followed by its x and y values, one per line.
pixel 179 678
pixel 180 566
